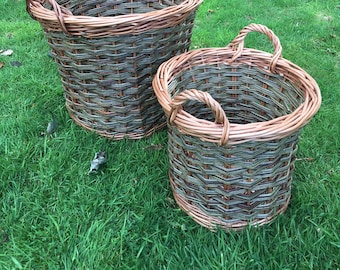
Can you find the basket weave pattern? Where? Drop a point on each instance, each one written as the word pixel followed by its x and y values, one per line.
pixel 234 118
pixel 231 186
pixel 107 54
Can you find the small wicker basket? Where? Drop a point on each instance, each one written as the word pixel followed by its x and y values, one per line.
pixel 234 118
pixel 107 53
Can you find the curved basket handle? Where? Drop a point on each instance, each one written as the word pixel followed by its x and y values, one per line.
pixel 238 43
pixel 59 11
pixel 193 94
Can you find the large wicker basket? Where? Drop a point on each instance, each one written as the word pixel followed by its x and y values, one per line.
pixel 107 53
pixel 234 118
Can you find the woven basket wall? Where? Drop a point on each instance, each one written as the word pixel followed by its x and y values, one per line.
pixel 107 53
pixel 234 118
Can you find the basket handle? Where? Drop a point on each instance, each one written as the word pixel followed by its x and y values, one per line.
pixel 59 11
pixel 238 43
pixel 205 97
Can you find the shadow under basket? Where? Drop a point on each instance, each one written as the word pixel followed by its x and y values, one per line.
pixel 234 119
pixel 107 53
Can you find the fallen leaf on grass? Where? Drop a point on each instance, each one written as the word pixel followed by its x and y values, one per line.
pixel 16 64
pixel 184 228
pixel 305 159
pixel 4 236
pixel 6 53
pixel 171 201
pixel 331 171
pixel 154 147
pixel 99 159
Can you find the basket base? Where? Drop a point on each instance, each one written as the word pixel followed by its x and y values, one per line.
pixel 136 134
pixel 213 223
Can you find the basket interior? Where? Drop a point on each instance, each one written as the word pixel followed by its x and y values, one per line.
pixel 246 94
pixel 104 8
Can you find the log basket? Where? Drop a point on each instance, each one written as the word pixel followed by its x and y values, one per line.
pixel 234 119
pixel 107 53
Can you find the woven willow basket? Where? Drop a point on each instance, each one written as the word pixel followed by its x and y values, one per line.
pixel 107 53
pixel 234 118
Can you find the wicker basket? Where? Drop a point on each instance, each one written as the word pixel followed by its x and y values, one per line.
pixel 234 118
pixel 107 53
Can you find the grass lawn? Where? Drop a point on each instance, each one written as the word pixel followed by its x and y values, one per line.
pixel 53 215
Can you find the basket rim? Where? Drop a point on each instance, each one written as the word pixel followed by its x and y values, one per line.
pixel 111 25
pixel 238 133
